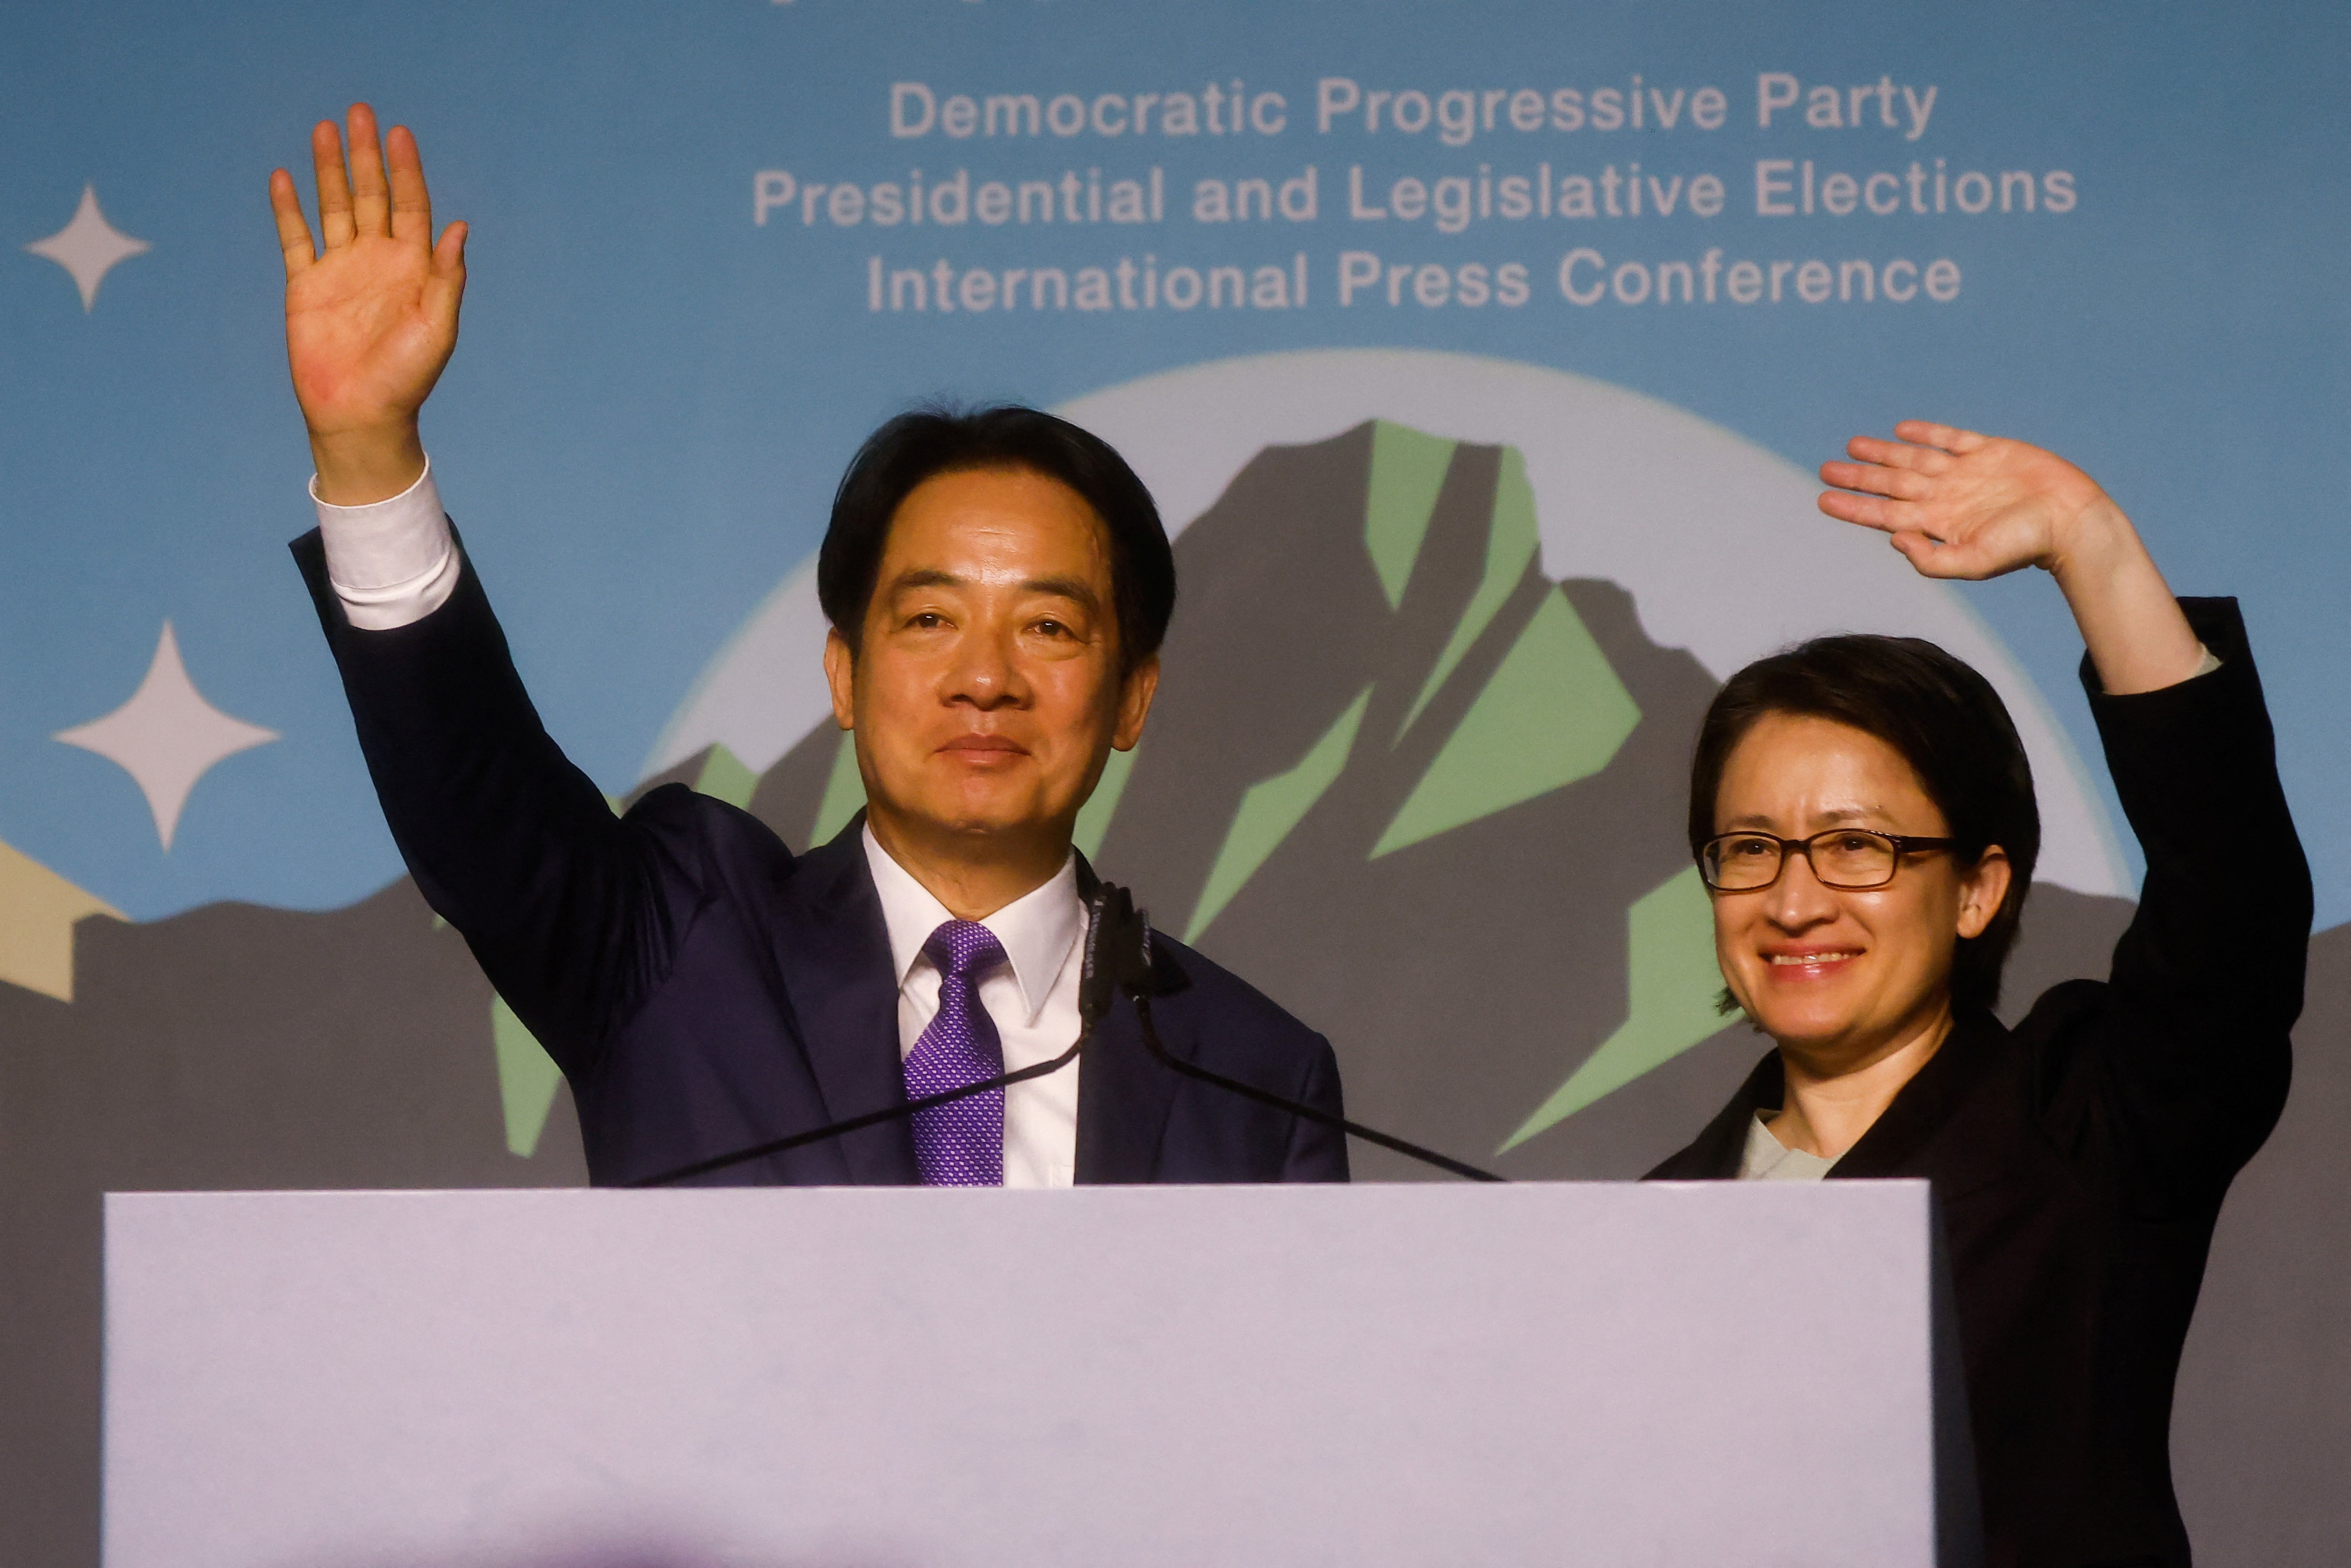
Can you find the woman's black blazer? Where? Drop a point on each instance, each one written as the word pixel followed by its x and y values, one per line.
pixel 2080 1158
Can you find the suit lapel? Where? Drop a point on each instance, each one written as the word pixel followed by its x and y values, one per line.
pixel 1124 1098
pixel 1895 1141
pixel 1714 1153
pixel 1926 1105
pixel 833 953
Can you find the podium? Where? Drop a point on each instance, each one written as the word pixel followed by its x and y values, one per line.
pixel 1568 1374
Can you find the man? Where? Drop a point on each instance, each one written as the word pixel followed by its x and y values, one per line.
pixel 998 584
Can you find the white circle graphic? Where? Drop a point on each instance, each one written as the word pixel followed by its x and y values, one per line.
pixel 1718 540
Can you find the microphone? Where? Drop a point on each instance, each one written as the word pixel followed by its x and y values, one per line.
pixel 1118 957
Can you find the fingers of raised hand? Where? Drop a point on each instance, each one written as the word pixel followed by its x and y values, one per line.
pixel 293 233
pixel 446 285
pixel 334 188
pixel 1898 455
pixel 412 202
pixel 1930 559
pixel 449 254
pixel 1902 484
pixel 1868 511
pixel 370 197
pixel 1969 560
pixel 1949 438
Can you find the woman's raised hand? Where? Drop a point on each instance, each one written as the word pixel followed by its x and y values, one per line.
pixel 1962 504
pixel 372 317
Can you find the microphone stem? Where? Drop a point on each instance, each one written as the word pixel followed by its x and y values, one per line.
pixel 1298 1108
pixel 870 1118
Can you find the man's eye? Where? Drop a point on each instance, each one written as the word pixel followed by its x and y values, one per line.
pixel 928 620
pixel 1052 628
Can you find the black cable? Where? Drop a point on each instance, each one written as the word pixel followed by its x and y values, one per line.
pixel 1298 1107
pixel 834 1129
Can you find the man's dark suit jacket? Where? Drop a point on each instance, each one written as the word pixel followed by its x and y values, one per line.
pixel 704 989
pixel 2080 1158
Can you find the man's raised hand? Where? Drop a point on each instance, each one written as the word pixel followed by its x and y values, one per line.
pixel 372 317
pixel 1962 504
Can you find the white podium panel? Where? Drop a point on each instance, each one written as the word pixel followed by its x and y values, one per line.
pixel 1711 1373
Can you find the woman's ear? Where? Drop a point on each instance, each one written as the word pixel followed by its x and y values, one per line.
pixel 1982 890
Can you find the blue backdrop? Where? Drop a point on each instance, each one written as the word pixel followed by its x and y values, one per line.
pixel 656 389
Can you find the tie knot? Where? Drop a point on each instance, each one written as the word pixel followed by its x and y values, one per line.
pixel 964 949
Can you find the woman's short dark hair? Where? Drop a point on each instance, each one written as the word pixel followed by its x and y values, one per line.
pixel 1948 724
pixel 927 442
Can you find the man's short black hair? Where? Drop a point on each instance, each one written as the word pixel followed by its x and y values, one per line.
pixel 1948 724
pixel 927 442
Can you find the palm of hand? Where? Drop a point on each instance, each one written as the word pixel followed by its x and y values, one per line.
pixel 362 345
pixel 1957 504
pixel 372 313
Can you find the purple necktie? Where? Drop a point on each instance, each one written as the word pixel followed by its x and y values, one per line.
pixel 960 1143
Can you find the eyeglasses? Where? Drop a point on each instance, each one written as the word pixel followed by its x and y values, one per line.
pixel 1851 860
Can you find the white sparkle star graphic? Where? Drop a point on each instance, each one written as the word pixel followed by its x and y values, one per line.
pixel 89 246
pixel 167 736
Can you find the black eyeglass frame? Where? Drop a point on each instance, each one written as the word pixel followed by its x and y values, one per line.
pixel 1904 844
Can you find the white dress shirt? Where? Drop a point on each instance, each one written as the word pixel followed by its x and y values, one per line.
pixel 392 563
pixel 396 562
pixel 1033 1000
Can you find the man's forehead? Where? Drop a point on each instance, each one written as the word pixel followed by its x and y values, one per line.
pixel 1010 486
pixel 984 522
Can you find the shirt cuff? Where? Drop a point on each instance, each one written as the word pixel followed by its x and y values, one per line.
pixel 391 562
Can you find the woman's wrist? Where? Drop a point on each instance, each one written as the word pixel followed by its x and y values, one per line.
pixel 2094 544
pixel 2138 639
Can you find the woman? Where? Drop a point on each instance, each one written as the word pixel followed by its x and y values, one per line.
pixel 1863 814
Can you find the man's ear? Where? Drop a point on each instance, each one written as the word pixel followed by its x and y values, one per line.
pixel 1982 891
pixel 841 678
pixel 1140 685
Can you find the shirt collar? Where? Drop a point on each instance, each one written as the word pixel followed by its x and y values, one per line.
pixel 1765 1158
pixel 1038 929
